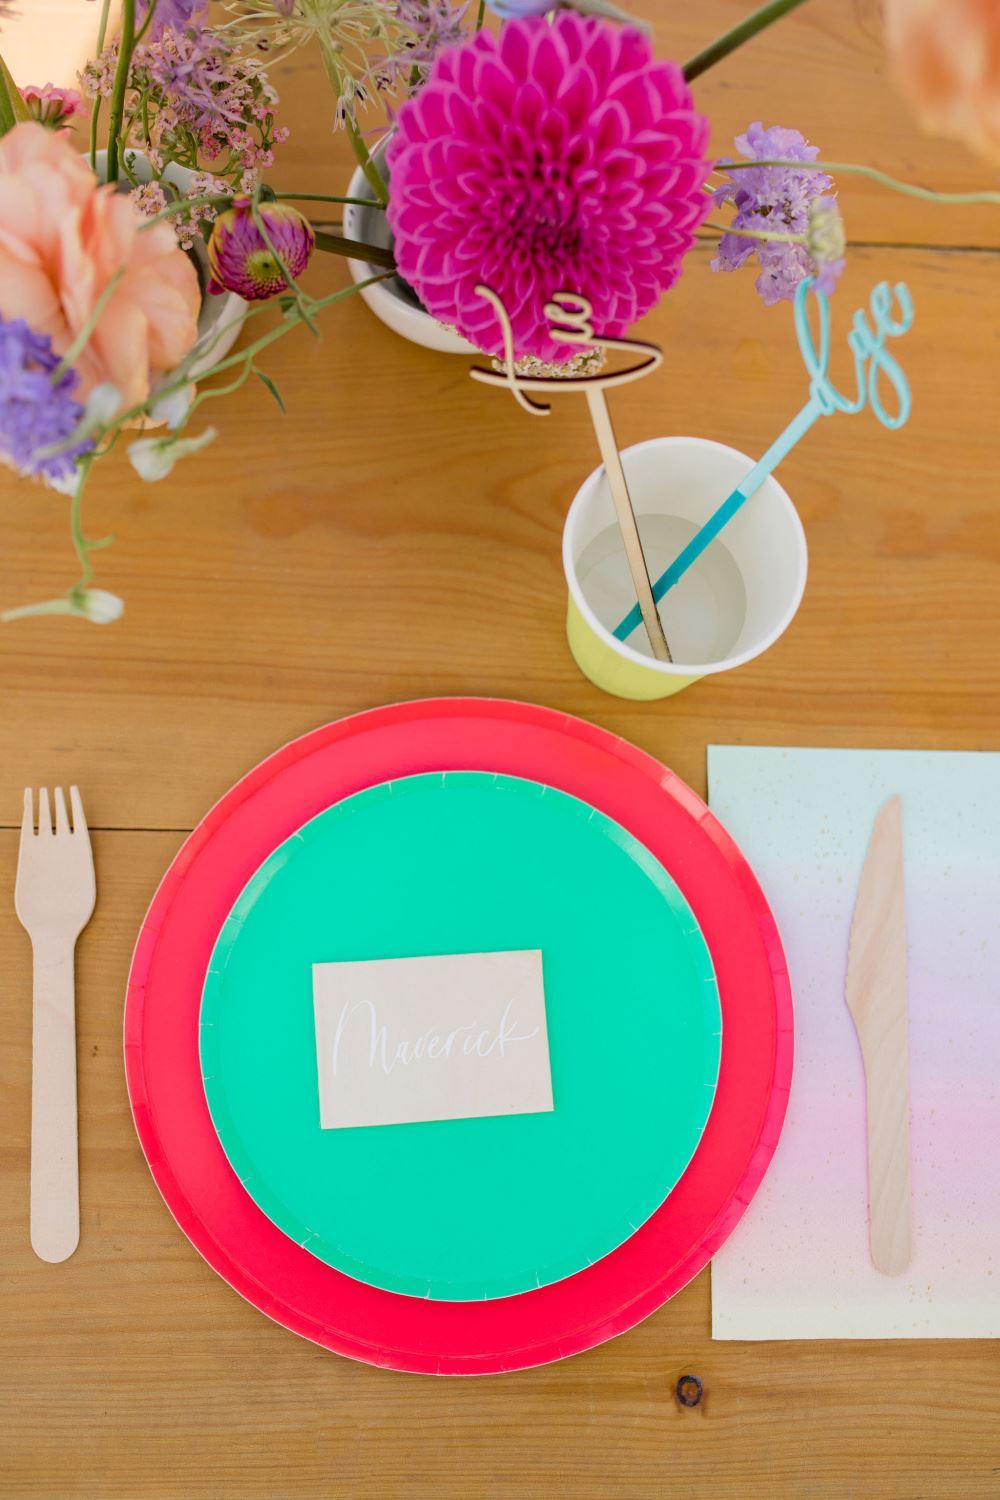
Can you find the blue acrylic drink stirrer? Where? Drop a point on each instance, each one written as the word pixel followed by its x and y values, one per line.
pixel 871 360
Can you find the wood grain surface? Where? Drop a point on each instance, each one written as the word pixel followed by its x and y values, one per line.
pixel 397 535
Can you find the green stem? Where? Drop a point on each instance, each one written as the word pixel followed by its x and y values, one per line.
pixel 12 107
pixel 289 321
pixel 481 15
pixel 304 302
pixel 49 607
pixel 361 153
pixel 78 345
pixel 95 116
pixel 80 544
pixel 883 178
pixel 221 390
pixel 102 26
pixel 180 205
pixel 756 234
pixel 95 113
pixel 335 244
pixel 125 46
pixel 328 198
pixel 742 32
pixel 7 120
pixel 363 156
pixel 147 22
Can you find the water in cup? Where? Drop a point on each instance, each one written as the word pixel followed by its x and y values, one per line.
pixel 702 614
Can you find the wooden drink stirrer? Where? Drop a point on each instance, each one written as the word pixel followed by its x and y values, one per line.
pixel 569 316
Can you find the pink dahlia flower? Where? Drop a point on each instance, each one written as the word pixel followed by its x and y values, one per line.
pixel 549 158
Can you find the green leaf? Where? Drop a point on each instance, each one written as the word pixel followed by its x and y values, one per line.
pixel 266 379
pixel 12 107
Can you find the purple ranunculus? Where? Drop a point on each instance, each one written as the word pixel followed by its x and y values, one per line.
pixel 241 250
pixel 774 200
pixel 36 412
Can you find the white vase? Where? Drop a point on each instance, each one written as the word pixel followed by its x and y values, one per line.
pixel 391 302
pixel 221 317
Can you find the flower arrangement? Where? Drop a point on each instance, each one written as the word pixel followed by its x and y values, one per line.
pixel 547 152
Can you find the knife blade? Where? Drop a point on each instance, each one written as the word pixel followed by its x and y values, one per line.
pixel 876 997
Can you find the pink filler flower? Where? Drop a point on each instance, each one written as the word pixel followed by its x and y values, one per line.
pixel 549 158
pixel 52 106
pixel 62 238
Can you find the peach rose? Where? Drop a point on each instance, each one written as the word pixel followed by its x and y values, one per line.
pixel 62 238
pixel 946 59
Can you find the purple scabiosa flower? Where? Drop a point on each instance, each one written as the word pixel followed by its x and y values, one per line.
pixel 242 261
pixel 771 200
pixel 37 413
pixel 826 242
pixel 169 15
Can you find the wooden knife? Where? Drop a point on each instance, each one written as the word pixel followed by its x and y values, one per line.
pixel 876 998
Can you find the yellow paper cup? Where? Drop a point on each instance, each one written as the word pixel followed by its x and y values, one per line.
pixel 733 603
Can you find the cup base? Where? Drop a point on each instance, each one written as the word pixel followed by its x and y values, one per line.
pixel 613 673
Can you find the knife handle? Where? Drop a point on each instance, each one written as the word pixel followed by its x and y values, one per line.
pixel 888 1105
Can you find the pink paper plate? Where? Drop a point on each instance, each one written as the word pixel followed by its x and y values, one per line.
pixel 162 1017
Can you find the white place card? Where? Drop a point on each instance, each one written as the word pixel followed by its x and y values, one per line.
pixel 451 1037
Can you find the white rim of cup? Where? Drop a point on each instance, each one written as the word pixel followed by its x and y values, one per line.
pixel 682 669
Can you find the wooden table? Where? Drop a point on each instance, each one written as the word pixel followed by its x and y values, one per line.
pixel 397 535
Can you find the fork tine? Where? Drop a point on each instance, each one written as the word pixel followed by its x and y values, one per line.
pixel 28 819
pixel 62 821
pixel 76 802
pixel 44 816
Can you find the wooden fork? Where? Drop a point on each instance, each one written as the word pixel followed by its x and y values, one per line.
pixel 54 899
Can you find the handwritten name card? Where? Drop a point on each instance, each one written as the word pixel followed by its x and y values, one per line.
pixel 400 1040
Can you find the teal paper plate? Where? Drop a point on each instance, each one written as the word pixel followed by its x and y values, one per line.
pixel 466 862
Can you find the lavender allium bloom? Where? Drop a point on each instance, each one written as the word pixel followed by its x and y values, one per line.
pixel 36 413
pixel 191 72
pixel 432 26
pixel 771 200
pixel 169 15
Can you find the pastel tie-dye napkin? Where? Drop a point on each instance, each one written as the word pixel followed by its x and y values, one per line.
pixel 798 1265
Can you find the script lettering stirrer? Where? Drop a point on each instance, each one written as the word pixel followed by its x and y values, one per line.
pixel 871 360
pixel 569 316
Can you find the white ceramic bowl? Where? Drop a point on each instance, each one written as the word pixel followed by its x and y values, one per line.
pixel 221 316
pixel 387 300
